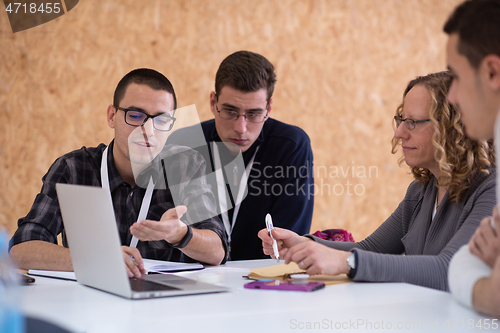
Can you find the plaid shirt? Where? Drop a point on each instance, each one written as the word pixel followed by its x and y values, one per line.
pixel 184 170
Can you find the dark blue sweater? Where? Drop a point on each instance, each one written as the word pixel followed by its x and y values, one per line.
pixel 280 183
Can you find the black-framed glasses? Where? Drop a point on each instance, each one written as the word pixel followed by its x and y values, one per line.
pixel 251 116
pixel 162 122
pixel 409 123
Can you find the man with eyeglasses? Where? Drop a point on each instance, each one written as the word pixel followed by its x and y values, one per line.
pixel 133 166
pixel 277 157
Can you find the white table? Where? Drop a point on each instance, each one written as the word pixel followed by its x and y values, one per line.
pixel 351 307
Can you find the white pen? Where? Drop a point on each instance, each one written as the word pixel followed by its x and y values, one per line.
pixel 269 226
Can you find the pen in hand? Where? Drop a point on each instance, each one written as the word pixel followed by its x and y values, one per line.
pixel 269 226
pixel 133 260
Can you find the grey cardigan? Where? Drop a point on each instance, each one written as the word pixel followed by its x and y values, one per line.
pixel 412 247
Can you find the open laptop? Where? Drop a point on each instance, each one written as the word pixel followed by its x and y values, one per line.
pixel 94 243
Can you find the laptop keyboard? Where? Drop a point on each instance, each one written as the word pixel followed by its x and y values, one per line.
pixel 145 285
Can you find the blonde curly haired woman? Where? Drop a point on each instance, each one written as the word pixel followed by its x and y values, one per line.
pixel 454 188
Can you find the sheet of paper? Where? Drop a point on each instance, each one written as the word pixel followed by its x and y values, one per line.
pixel 63 275
pixel 150 265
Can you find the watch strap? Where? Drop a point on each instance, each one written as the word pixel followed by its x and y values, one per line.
pixel 352 271
pixel 185 240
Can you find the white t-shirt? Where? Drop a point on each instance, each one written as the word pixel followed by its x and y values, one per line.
pixel 464 271
pixel 465 268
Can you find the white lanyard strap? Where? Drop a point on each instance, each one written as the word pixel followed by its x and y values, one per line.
pixel 104 169
pixel 146 201
pixel 221 189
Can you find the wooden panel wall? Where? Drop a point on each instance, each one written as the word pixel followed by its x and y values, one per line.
pixel 342 67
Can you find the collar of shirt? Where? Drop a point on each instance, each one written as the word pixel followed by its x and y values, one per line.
pixel 152 171
pixel 248 154
pixel 115 180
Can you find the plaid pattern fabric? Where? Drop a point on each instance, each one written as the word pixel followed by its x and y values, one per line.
pixel 82 167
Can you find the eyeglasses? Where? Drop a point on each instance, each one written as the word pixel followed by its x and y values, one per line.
pixel 410 123
pixel 251 117
pixel 161 122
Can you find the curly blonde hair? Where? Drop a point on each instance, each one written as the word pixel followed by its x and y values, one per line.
pixel 459 157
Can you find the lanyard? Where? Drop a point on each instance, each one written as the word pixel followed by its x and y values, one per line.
pixel 146 201
pixel 221 189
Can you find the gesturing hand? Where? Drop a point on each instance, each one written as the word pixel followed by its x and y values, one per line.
pixel 168 228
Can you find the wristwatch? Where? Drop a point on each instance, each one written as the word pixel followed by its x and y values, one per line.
pixel 185 240
pixel 351 262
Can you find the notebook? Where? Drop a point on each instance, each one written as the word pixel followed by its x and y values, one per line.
pixel 150 265
pixel 94 244
pixel 283 272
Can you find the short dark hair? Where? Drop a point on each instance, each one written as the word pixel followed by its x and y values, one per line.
pixel 245 71
pixel 477 23
pixel 149 77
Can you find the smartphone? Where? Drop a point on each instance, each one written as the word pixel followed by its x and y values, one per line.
pixel 291 285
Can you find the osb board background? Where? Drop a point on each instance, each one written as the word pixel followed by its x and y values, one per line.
pixel 342 67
